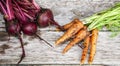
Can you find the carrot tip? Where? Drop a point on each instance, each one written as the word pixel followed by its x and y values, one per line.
pixel 56 44
pixel 80 64
pixel 63 52
pixel 90 63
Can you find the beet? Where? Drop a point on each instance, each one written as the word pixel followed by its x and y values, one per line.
pixel 13 29
pixel 20 16
pixel 45 18
pixel 29 28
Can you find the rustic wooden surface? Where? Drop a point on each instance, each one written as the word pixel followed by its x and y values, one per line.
pixel 47 65
pixel 38 52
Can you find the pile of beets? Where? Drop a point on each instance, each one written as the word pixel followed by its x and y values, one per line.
pixel 23 17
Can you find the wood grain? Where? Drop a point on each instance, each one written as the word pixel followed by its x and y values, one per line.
pixel 37 52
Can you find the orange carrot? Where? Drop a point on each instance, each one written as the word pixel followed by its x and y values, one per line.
pixel 70 32
pixel 93 41
pixel 67 26
pixel 78 37
pixel 85 50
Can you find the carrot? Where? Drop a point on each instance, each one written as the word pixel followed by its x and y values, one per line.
pixel 70 32
pixel 66 26
pixel 93 41
pixel 85 50
pixel 78 37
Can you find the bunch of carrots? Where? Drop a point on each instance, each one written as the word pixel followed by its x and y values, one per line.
pixel 88 32
pixel 79 31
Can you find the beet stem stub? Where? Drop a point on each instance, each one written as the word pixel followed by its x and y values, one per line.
pixel 23 51
pixel 55 23
pixel 43 40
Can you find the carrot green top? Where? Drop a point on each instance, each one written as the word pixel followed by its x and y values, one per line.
pixel 109 18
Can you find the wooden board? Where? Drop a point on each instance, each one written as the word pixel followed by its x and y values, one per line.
pixel 38 52
pixel 48 65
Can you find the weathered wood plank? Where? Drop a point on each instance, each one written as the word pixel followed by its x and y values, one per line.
pixel 46 65
pixel 37 52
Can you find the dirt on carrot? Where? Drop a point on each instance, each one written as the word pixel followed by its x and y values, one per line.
pixel 78 37
pixel 93 42
pixel 67 26
pixel 85 49
pixel 70 32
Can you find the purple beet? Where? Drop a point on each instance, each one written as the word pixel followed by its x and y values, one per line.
pixel 29 28
pixel 45 18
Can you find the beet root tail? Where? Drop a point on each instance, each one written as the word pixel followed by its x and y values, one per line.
pixel 44 40
pixel 23 51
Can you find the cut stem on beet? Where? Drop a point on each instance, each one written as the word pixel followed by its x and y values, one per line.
pixel 55 23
